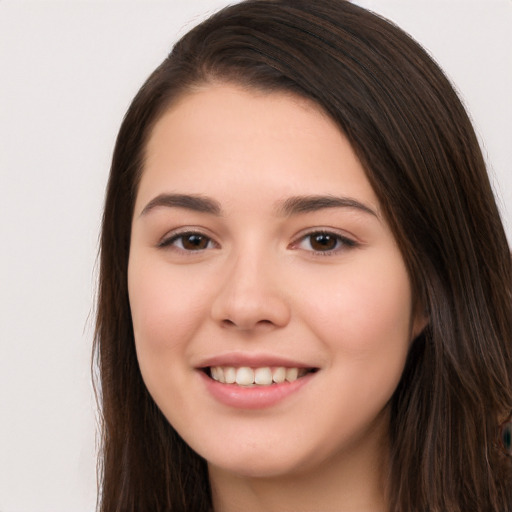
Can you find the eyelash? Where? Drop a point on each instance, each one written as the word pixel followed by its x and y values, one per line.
pixel 341 242
pixel 171 241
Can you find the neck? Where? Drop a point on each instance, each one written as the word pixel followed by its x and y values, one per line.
pixel 350 481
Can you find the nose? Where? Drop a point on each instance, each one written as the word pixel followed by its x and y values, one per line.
pixel 251 296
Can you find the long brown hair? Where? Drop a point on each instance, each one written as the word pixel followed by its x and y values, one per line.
pixel 416 143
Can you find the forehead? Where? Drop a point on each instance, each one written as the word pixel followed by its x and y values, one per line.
pixel 235 113
pixel 224 138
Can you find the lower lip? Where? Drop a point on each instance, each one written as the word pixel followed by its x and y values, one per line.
pixel 253 397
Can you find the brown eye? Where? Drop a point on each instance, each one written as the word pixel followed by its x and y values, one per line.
pixel 323 241
pixel 188 242
pixel 194 242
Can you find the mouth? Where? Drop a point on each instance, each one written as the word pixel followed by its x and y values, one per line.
pixel 265 376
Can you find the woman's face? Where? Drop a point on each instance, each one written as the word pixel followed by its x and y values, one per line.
pixel 271 307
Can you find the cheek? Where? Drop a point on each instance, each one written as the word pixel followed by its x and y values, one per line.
pixel 165 314
pixel 366 311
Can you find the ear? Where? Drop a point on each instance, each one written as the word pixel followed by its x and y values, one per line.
pixel 419 320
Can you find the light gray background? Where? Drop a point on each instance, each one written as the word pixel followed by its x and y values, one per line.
pixel 68 71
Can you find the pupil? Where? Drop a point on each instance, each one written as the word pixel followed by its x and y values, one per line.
pixel 195 242
pixel 323 242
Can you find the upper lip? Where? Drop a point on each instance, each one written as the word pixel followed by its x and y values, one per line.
pixel 251 361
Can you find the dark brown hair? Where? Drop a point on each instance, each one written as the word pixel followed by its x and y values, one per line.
pixel 416 143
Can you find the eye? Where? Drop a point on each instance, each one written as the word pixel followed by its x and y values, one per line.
pixel 323 242
pixel 189 241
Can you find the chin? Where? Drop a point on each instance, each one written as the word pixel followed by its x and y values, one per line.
pixel 260 463
pixel 256 469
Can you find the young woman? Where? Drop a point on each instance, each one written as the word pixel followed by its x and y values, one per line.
pixel 305 294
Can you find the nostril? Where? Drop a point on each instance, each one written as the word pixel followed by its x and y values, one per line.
pixel 246 325
pixel 244 307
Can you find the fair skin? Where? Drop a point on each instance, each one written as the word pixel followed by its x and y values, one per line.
pixel 258 243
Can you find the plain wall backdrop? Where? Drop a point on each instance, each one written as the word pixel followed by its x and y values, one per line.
pixel 68 71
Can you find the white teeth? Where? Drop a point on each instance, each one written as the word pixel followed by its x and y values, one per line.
pixel 245 376
pixel 264 376
pixel 279 375
pixel 229 375
pixel 292 374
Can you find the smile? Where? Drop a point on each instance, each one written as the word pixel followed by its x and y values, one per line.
pixel 263 376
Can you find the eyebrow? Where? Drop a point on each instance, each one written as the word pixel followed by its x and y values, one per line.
pixel 305 204
pixel 196 203
pixel 291 206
